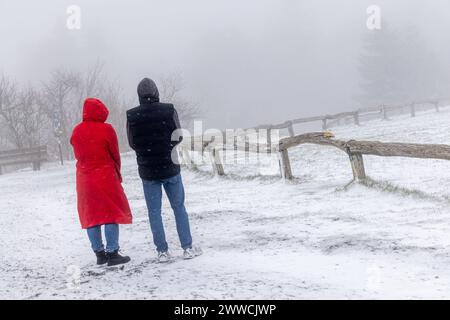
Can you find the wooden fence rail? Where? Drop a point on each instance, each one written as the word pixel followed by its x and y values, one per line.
pixel 356 150
pixel 33 156
pixel 382 110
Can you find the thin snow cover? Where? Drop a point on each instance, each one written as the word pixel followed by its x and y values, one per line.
pixel 262 238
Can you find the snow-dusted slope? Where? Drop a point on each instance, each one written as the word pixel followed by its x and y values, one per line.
pixel 262 237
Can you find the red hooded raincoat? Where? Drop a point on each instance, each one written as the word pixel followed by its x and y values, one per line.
pixel 101 198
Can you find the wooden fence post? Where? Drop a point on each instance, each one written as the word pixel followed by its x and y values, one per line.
pixel 357 162
pixel 186 157
pixel 384 112
pixel 36 166
pixel 269 137
pixel 280 166
pixel 324 123
pixel 436 106
pixel 291 129
pixel 287 171
pixel 413 110
pixel 247 149
pixel 217 163
pixel 356 118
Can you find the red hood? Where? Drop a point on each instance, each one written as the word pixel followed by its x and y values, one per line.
pixel 95 110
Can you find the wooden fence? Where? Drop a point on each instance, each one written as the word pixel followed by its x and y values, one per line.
pixel 354 149
pixel 356 116
pixel 33 156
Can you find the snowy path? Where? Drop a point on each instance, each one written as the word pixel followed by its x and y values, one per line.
pixel 262 238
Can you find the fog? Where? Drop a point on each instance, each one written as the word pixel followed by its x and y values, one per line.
pixel 245 62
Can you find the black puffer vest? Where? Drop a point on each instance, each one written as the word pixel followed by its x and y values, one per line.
pixel 150 128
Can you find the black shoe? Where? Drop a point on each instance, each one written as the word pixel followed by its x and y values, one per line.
pixel 114 258
pixel 101 257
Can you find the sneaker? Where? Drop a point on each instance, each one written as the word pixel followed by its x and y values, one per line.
pixel 114 258
pixel 163 257
pixel 191 253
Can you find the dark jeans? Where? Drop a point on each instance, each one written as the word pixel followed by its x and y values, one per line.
pixel 175 192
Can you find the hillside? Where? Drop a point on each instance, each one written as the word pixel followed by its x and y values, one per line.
pixel 262 238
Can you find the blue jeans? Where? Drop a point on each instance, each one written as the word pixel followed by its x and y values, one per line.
pixel 175 192
pixel 111 235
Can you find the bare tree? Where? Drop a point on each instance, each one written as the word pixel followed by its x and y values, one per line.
pixel 29 117
pixel 171 87
pixel 33 121
pixel 94 81
pixel 61 103
pixel 97 84
pixel 8 111
pixel 65 94
pixel 22 114
pixel 113 97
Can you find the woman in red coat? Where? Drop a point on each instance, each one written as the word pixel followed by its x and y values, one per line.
pixel 101 198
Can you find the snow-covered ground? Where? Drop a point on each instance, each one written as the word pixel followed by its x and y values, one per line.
pixel 262 238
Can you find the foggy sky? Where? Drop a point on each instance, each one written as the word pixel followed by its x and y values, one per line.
pixel 246 62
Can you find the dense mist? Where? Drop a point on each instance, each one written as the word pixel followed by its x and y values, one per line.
pixel 244 62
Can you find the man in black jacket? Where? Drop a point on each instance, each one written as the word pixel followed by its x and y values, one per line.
pixel 150 127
